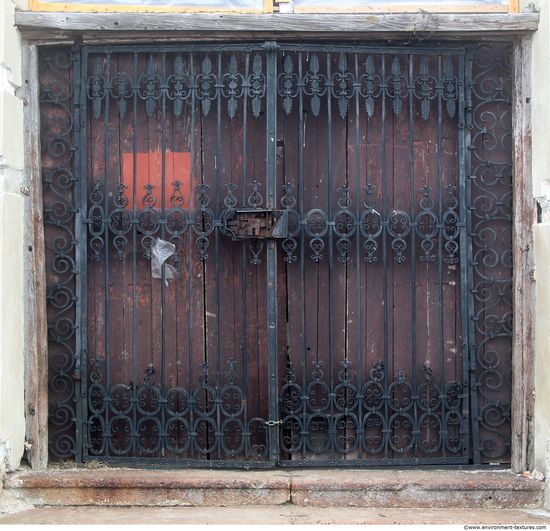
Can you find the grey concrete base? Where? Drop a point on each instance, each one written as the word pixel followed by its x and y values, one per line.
pixel 307 488
pixel 10 503
pixel 284 514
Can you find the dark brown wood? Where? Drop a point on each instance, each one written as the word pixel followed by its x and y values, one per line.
pixel 36 332
pixel 218 298
pixel 193 293
pixel 523 289
pixel 291 291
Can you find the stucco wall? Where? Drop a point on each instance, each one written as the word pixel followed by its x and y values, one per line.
pixel 541 189
pixel 12 420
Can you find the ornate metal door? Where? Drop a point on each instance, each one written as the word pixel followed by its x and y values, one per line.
pixel 276 253
pixel 374 181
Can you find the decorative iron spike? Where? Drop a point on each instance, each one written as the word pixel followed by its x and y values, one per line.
pixel 343 91
pixel 396 86
pixel 370 73
pixel 97 89
pixel 150 86
pixel 315 85
pixel 179 74
pixel 257 83
pixel 449 86
pixel 288 69
pixel 233 83
pixel 424 88
pixel 205 85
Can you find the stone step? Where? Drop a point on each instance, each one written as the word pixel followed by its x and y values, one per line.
pixel 408 488
pixel 417 488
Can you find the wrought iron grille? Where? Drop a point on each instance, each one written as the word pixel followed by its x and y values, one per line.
pixel 372 327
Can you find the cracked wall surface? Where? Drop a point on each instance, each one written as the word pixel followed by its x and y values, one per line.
pixel 541 190
pixel 12 419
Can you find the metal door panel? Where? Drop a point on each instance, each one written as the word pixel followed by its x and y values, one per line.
pixel 376 331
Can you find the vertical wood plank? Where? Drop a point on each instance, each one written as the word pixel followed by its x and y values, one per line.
pixel 36 331
pixel 288 128
pixel 523 288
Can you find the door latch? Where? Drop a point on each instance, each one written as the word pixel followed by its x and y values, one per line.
pixel 273 422
pixel 257 223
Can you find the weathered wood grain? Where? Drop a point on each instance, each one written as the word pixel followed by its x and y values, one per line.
pixel 523 261
pixel 36 332
pixel 58 26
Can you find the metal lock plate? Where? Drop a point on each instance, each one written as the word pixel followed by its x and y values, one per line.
pixel 257 223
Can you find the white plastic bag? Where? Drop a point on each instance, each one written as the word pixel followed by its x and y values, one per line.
pixel 256 5
pixel 160 252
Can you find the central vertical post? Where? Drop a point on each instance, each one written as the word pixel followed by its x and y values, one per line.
pixel 271 153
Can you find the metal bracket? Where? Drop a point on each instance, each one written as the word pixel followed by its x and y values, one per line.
pixel 273 422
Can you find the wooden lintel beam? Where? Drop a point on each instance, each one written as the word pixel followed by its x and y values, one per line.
pixel 34 24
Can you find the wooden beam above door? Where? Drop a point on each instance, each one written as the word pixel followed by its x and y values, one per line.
pixel 59 27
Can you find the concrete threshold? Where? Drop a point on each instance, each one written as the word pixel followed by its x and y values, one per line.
pixel 365 488
pixel 270 514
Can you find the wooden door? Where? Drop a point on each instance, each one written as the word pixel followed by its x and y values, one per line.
pixel 372 328
pixel 370 145
pixel 177 141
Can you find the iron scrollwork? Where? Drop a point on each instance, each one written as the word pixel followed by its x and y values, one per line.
pixel 353 417
pixel 179 78
pixel 209 422
pixel 345 82
pixel 491 216
pixel 176 219
pixel 368 421
pixel 370 225
pixel 60 178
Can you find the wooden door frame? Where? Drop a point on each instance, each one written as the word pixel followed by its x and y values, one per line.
pixel 39 29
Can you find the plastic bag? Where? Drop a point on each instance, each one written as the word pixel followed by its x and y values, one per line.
pixel 160 252
pixel 302 5
pixel 256 5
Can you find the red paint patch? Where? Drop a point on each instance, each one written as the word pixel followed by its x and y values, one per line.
pixel 149 165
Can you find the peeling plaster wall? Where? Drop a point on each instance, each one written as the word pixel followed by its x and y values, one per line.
pixel 12 418
pixel 541 190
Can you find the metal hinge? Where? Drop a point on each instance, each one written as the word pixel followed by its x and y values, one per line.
pixel 273 422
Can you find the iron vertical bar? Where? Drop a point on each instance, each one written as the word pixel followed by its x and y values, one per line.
pixel 163 236
pixel 135 439
pixel 360 244
pixel 243 258
pixel 271 202
pixel 193 89
pixel 301 207
pixel 358 275
pixel 107 312
pixel 332 428
pixel 79 101
pixel 387 428
pixel 440 254
pixel 466 266
pixel 413 245
pixel 219 85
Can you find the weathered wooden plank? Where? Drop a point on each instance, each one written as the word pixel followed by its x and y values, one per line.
pixel 36 332
pixel 42 23
pixel 523 288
